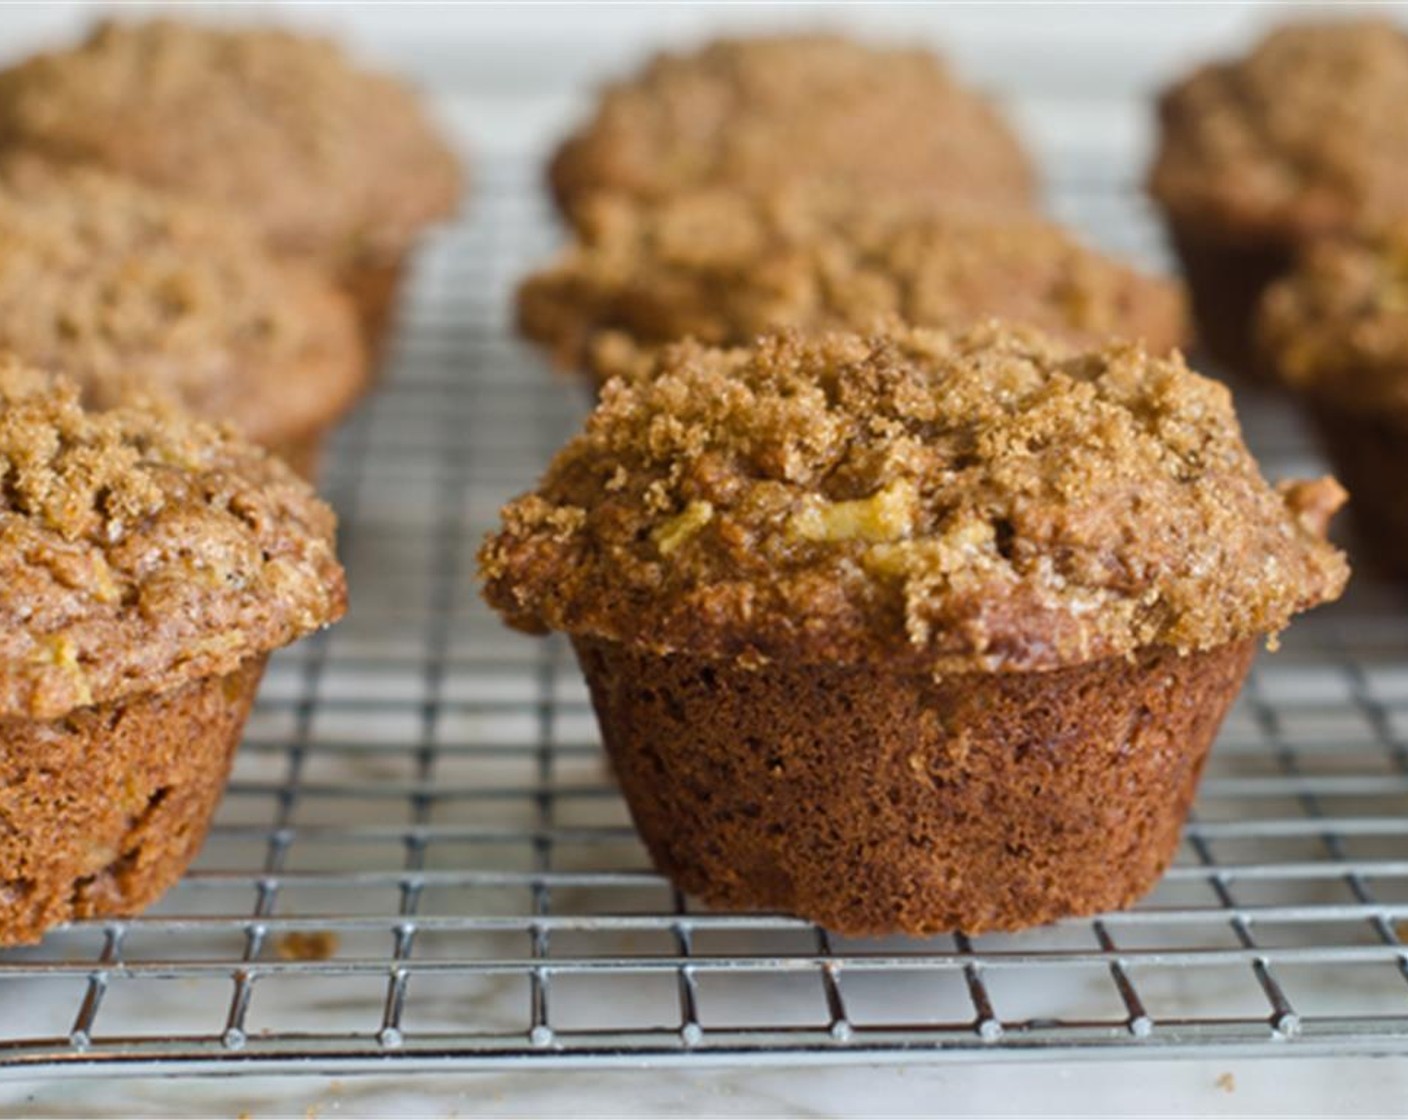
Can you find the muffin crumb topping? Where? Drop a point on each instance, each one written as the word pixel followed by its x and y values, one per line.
pixel 140 550
pixel 1306 133
pixel 723 267
pixel 323 158
pixel 987 500
pixel 1337 327
pixel 761 112
pixel 130 292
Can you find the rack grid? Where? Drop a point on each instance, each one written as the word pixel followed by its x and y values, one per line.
pixel 422 861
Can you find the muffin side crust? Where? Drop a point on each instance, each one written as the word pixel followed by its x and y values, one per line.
pixel 875 802
pixel 106 806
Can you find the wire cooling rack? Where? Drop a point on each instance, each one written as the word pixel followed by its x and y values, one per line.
pixel 422 861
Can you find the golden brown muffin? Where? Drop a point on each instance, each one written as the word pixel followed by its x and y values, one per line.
pixel 328 161
pixel 1336 332
pixel 133 293
pixel 723 267
pixel 760 113
pixel 1303 137
pixel 148 565
pixel 915 631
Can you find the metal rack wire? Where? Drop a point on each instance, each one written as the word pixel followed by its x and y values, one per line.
pixel 422 862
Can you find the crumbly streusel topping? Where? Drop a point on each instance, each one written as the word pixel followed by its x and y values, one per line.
pixel 140 550
pixel 723 267
pixel 1337 327
pixel 323 158
pixel 985 501
pixel 762 112
pixel 133 292
pixel 1307 133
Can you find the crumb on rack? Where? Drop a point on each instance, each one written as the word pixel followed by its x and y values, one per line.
pixel 306 945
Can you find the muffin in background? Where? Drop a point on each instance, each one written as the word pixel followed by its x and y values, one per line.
pixel 723 267
pixel 759 113
pixel 133 293
pixel 1336 332
pixel 332 164
pixel 916 631
pixel 148 565
pixel 1303 137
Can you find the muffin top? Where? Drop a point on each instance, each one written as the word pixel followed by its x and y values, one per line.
pixel 1305 134
pixel 761 112
pixel 140 550
pixel 978 502
pixel 322 158
pixel 1337 327
pixel 131 292
pixel 723 267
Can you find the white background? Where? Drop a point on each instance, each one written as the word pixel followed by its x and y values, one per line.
pixel 512 76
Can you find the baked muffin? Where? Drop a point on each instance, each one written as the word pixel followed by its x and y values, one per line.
pixel 133 293
pixel 148 564
pixel 723 267
pixel 912 632
pixel 759 113
pixel 331 163
pixel 1336 332
pixel 1303 137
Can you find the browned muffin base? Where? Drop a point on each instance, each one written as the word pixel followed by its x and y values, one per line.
pixel 374 285
pixel 100 812
pixel 1370 454
pixel 874 802
pixel 1226 280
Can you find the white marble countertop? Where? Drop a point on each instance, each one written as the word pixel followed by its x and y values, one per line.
pixel 1345 1086
pixel 1314 1087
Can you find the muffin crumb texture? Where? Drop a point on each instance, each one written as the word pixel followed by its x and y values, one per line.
pixel 140 551
pixel 982 501
pixel 1305 134
pixel 723 267
pixel 763 112
pixel 1337 328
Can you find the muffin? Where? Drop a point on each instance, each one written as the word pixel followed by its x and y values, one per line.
pixel 912 632
pixel 330 163
pixel 760 113
pixel 1305 136
pixel 148 565
pixel 133 293
pixel 1336 332
pixel 723 267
